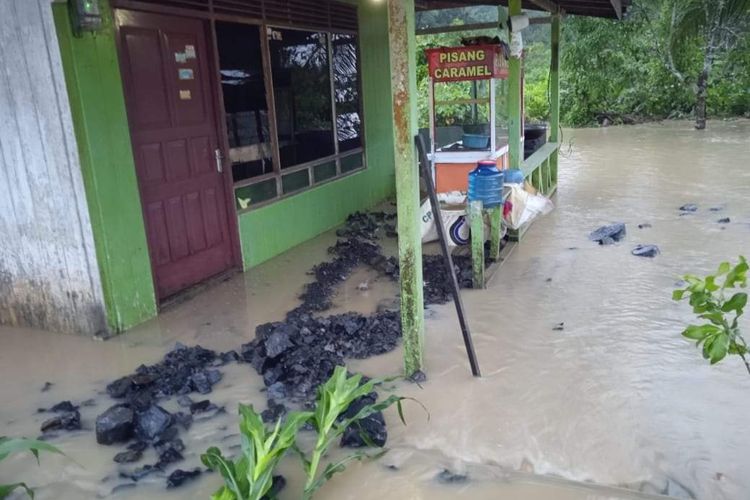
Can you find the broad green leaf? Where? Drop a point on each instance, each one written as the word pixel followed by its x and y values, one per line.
pixel 724 268
pixel 9 446
pixel 696 332
pixel 719 349
pixel 678 294
pixel 736 303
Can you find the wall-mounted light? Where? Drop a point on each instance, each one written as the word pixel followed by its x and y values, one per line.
pixel 85 15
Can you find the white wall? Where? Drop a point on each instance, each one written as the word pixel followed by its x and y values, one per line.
pixel 49 276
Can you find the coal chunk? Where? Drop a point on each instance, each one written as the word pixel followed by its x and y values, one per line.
pixel 724 220
pixel 200 406
pixel 179 477
pixel 689 207
pixel 152 423
pixel 370 429
pixel 115 425
pixel 128 456
pixel 646 251
pixel 607 235
pixel 278 342
pixel 64 406
pixel 448 477
pixel 65 421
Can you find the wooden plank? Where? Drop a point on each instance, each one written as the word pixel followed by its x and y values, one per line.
pixel 458 27
pixel 496 230
pixel 476 221
pixel 535 160
pixel 554 92
pixel 515 132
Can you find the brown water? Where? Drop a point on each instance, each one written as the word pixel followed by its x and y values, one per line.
pixel 616 398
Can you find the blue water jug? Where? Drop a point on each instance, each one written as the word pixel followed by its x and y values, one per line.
pixel 486 184
pixel 513 176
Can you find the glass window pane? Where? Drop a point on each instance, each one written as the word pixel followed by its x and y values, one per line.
pixel 255 193
pixel 295 181
pixel 351 162
pixel 302 95
pixel 324 171
pixel 244 91
pixel 346 90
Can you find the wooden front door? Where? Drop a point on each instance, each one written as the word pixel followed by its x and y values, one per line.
pixel 172 113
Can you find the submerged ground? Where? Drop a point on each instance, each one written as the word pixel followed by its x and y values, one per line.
pixel 615 397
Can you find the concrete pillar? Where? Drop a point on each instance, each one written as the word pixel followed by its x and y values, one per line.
pixel 402 49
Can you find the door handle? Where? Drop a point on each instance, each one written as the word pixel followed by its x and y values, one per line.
pixel 219 157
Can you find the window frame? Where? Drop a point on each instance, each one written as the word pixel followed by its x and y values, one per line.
pixel 278 173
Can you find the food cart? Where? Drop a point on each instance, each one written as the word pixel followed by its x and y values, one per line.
pixel 464 112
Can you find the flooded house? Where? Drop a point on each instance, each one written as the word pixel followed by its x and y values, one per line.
pixel 151 146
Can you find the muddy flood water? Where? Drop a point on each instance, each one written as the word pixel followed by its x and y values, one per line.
pixel 615 405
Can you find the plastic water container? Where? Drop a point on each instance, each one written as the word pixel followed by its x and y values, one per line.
pixel 486 184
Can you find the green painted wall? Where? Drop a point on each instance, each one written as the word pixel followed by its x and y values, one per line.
pixel 96 97
pixel 272 229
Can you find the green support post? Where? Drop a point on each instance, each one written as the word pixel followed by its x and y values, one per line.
pixel 476 221
pixel 402 50
pixel 515 149
pixel 554 92
pixel 496 217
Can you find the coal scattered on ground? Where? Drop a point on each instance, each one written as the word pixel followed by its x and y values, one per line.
pixel 295 356
pixel 646 251
pixel 725 220
pixel 559 327
pixel 179 476
pixel 645 225
pixel 448 477
pixel 608 235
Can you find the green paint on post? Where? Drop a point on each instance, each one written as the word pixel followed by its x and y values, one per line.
pixel 92 76
pixel 476 222
pixel 310 213
pixel 401 43
pixel 496 217
pixel 554 92
pixel 515 148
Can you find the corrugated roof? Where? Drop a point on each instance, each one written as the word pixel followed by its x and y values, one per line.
pixel 591 8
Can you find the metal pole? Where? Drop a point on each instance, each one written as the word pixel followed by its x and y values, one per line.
pixel 448 259
pixel 403 73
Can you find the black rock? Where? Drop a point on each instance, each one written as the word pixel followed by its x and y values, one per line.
pixel 646 251
pixel 129 456
pixel 200 382
pixel 274 411
pixel 689 207
pixel 64 421
pixel 229 356
pixel 645 225
pixel 372 427
pixel 185 401
pixel 115 425
pixel 47 386
pixel 448 477
pixel 179 476
pixel 119 388
pixel 151 423
pixel 278 342
pixel 169 455
pixel 725 220
pixel 138 446
pixel 64 406
pixel 418 377
pixel 174 444
pixel 607 235
pixel 200 406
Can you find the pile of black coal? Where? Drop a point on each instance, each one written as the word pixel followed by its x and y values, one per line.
pixel 368 225
pixel 140 420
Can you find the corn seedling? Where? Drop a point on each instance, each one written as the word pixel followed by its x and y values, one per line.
pixel 251 477
pixel 334 398
pixel 714 301
pixel 10 446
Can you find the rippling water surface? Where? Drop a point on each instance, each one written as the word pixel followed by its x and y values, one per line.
pixel 615 398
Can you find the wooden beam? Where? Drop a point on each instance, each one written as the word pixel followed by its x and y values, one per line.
pixel 458 27
pixel 476 223
pixel 540 20
pixel 402 53
pixel 547 5
pixel 554 95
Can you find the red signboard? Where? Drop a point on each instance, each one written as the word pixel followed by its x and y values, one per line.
pixel 475 62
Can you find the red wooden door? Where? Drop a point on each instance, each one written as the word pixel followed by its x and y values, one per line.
pixel 172 114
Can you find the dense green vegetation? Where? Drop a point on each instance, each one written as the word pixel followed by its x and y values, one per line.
pixel 652 65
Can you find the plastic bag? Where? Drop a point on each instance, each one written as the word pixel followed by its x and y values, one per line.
pixel 522 206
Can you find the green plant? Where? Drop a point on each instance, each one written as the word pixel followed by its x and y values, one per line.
pixel 9 446
pixel 720 334
pixel 334 398
pixel 251 477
